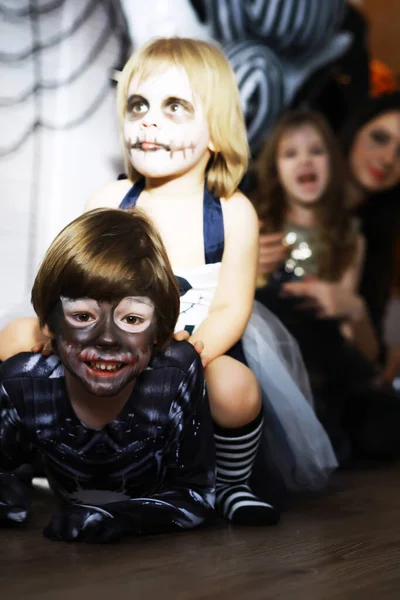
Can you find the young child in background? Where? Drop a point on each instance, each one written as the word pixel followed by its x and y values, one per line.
pixel 301 201
pixel 121 424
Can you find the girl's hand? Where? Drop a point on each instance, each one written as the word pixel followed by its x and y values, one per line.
pixel 330 300
pixel 183 335
pixel 273 252
pixel 44 347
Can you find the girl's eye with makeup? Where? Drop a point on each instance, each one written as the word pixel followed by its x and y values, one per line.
pixel 139 107
pixel 380 137
pixel 176 108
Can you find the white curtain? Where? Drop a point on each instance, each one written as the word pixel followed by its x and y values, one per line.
pixel 59 136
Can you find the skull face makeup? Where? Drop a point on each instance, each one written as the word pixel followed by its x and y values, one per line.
pixel 105 345
pixel 165 129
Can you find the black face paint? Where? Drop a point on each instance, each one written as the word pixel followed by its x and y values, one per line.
pixel 105 345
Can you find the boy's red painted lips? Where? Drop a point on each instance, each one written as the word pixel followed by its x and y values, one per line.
pixel 104 369
pixel 91 356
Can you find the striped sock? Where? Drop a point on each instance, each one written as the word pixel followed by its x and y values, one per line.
pixel 236 452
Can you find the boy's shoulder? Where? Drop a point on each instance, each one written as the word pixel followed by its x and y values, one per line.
pixel 178 355
pixel 30 364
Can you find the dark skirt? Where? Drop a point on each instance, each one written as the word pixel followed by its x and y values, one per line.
pixel 361 418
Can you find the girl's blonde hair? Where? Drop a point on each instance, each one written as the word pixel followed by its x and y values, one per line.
pixel 337 234
pixel 213 84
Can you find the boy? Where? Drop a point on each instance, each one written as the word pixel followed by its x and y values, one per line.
pixel 120 416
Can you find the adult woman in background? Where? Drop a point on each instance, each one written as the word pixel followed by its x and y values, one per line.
pixel 371 142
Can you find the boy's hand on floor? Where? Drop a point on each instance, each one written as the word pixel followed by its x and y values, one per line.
pixel 15 496
pixel 76 523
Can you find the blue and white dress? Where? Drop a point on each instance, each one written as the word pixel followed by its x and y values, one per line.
pixel 294 443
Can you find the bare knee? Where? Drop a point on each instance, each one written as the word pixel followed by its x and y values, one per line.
pixel 19 336
pixel 233 391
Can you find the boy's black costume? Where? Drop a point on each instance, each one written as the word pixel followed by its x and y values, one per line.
pixel 151 469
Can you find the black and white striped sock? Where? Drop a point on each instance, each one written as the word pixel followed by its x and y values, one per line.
pixel 236 452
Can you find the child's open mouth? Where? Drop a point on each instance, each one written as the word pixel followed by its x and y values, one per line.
pixel 307 178
pixel 105 366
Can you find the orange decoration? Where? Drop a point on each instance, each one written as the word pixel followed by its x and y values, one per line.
pixel 382 79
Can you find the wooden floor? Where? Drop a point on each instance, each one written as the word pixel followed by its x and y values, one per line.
pixel 339 547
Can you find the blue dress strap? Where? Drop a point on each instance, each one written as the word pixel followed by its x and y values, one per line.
pixel 133 194
pixel 213 222
pixel 213 227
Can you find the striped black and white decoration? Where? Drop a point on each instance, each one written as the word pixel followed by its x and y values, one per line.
pixel 287 26
pixel 260 79
pixel 227 20
pixel 294 26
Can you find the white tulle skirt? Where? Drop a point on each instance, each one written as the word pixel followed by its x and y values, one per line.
pixel 294 443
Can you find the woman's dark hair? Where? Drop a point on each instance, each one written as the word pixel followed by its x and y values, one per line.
pixel 379 216
pixel 366 111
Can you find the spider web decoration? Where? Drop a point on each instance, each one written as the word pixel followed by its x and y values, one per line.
pixel 56 111
pixel 29 15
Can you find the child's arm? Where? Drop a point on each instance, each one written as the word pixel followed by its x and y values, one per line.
pixel 20 335
pixel 15 458
pixel 184 499
pixel 350 279
pixel 341 301
pixel 359 327
pixel 233 301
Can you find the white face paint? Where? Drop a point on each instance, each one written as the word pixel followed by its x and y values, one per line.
pixel 165 129
pixel 133 314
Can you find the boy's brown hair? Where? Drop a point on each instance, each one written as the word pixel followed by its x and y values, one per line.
pixel 108 254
